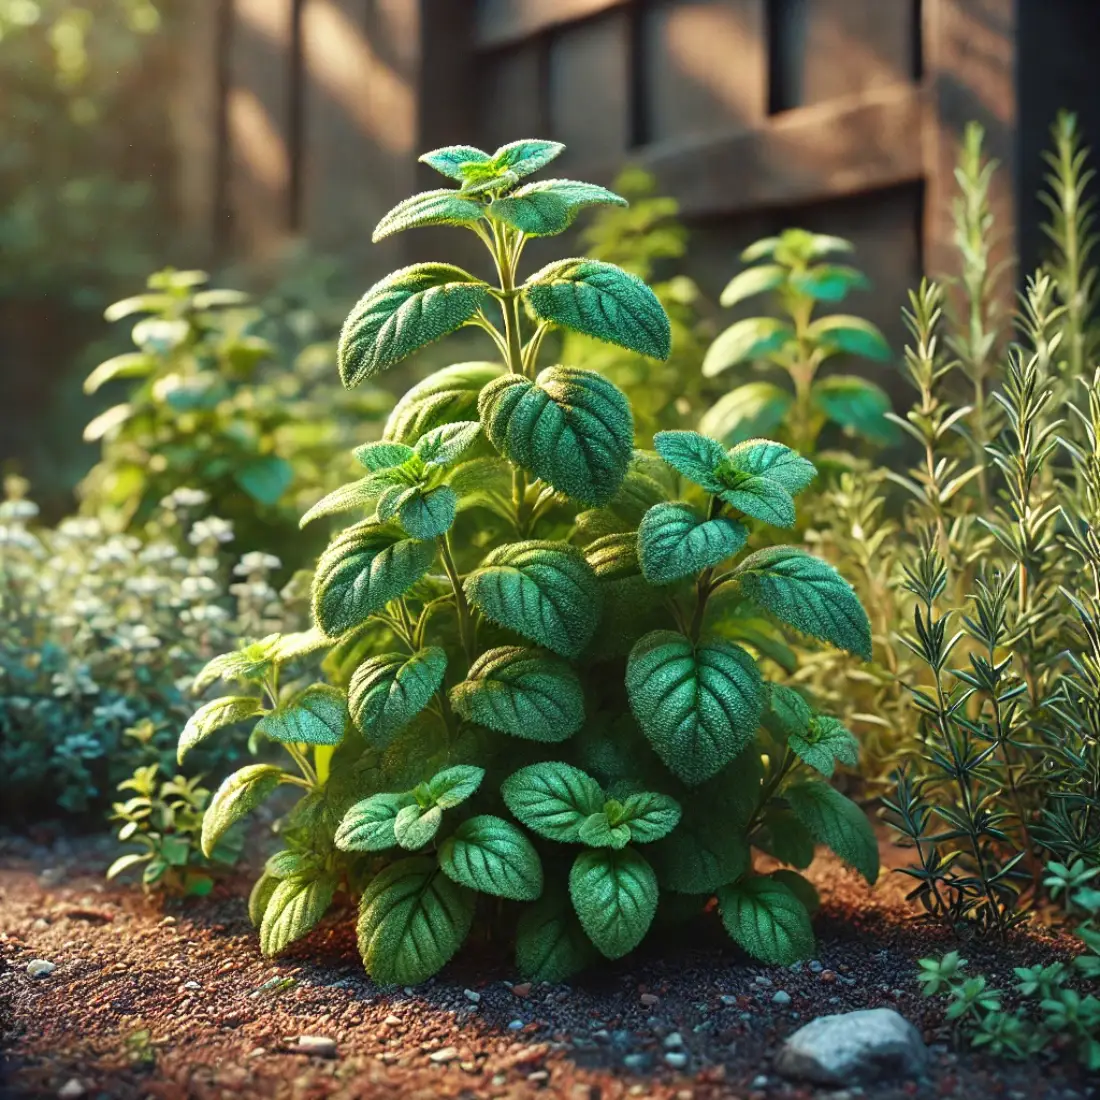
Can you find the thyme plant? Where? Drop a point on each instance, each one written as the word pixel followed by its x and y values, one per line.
pixel 521 717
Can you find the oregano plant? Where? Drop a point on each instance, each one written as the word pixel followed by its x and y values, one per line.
pixel 545 703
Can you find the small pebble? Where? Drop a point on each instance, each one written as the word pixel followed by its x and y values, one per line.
pixel 673 1040
pixel 523 990
pixel 191 985
pixel 539 1077
pixel 761 980
pixel 760 1081
pixel 515 1025
pixel 816 967
pixel 71 1090
pixel 40 968
pixel 728 999
pixel 257 1052
pixel 391 1020
pixel 320 1046
pixel 677 1059
pixel 471 996
pixel 649 999
pixel 442 1057
pixel 781 997
pixel 637 1061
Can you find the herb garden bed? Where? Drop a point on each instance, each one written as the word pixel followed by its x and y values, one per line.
pixel 173 999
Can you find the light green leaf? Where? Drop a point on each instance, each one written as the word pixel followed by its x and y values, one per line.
pixel 843 333
pixel 447 396
pixel 490 854
pixel 649 816
pixel 693 456
pixel 453 786
pixel 825 742
pixel 551 945
pixel 290 864
pixel 124 863
pixel 384 455
pixel 572 428
pixel 549 206
pixel 615 897
pixel 522 692
pixel 527 155
pixel 759 497
pixel 300 643
pixel 828 282
pixel 213 716
pixel 404 312
pixel 249 664
pixel 856 404
pixel 133 364
pixel 364 568
pixel 545 591
pixel 747 340
pixel 753 281
pixel 765 458
pixel 429 515
pixel 808 594
pixel 442 207
pixel 552 799
pixel 698 705
pixel 836 822
pixel 674 542
pixel 412 920
pixel 447 443
pixel 103 425
pixel 266 479
pixel 294 909
pixel 602 301
pixel 139 303
pixel 317 716
pixel 596 831
pixel 259 897
pixel 765 919
pixel 241 793
pixel 415 826
pixel 368 826
pixel 750 410
pixel 450 159
pixel 388 691
pixel 356 494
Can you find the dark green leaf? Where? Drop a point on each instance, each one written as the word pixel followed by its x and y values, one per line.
pixel 550 206
pixel 490 854
pixel 550 943
pixel 838 823
pixel 552 799
pixel 357 494
pixel 527 155
pixel 856 404
pixel 762 498
pixel 783 836
pixel 450 159
pixel 383 456
pixel 787 713
pixel 828 282
pixel 764 918
pixel 649 816
pixel 764 458
pixel 747 340
pixel 317 716
pixel 428 515
pixel 213 716
pixel 446 444
pixel 693 456
pixel 615 896
pixel 442 207
pixel 842 333
pixel 674 542
pixel 454 785
pixel 445 397
pixel 368 826
pixel 800 886
pixel 825 742
pixel 390 690
pixel 596 831
pixel 415 826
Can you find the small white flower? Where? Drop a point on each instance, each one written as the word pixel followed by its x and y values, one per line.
pixel 18 509
pixel 198 588
pixel 213 528
pixel 186 498
pixel 256 562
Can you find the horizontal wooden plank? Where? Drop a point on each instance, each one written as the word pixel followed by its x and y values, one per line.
pixel 809 154
pixel 500 22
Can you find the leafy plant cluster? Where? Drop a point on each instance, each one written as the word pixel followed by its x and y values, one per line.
pixel 103 633
pixel 544 698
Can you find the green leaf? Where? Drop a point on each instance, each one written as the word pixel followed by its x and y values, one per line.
pixel 317 716
pixel 602 301
pixel 412 920
pixel 447 396
pixel 364 568
pixel 294 909
pixel 765 458
pixel 103 425
pixel 572 428
pixel 384 455
pixel 552 799
pixel 808 594
pixel 615 897
pixel 693 456
pixel 800 886
pixel 649 816
pixel 753 281
pixel 698 857
pixel 249 664
pixel 446 444
pixel 213 716
pixel 787 714
pixel 828 282
pixel 760 497
pixel 453 786
pixel 368 826
pixel 388 691
pixel 550 206
pixel 843 333
pixel 404 312
pixel 767 920
pixel 415 826
pixel 824 743
pixel 527 155
pixel 266 479
pixel 836 822
pixel 356 494
pixel 747 340
pixel 783 836
pixel 596 831
pixel 288 864
pixel 545 591
pixel 522 692
pixel 856 404
pixel 133 364
pixel 754 409
pixel 428 515
pixel 698 705
pixel 450 159
pixel 241 793
pixel 490 854
pixel 674 542
pixel 442 207
pixel 125 862
pixel 551 945
pixel 259 897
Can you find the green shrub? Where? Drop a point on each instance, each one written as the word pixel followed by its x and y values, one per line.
pixel 536 688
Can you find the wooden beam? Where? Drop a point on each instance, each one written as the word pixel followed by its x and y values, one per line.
pixel 501 22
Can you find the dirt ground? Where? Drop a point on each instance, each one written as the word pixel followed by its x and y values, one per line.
pixel 173 1000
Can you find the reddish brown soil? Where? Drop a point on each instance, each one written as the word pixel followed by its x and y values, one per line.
pixel 190 975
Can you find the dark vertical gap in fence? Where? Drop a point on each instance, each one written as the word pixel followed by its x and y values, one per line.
pixel 223 213
pixel 544 44
pixel 916 64
pixel 785 26
pixel 640 126
pixel 296 119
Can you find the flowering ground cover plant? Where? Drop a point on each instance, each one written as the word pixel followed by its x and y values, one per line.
pixel 540 703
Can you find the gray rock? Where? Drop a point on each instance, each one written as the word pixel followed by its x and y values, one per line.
pixel 677 1059
pixel 781 997
pixel 73 1089
pixel 40 968
pixel 673 1040
pixel 853 1047
pixel 471 996
pixel 320 1046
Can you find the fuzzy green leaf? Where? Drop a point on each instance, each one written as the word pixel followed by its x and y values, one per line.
pixel 552 799
pixel 544 591
pixel 674 542
pixel 317 716
pixel 368 826
pixel 753 409
pixel 356 494
pixel 856 404
pixel 527 155
pixel 765 919
pixel 649 816
pixel 615 896
pixel 445 397
pixel 453 786
pixel 239 795
pixel 787 713
pixel 249 664
pixel 838 823
pixel 364 568
pixel 294 909
pixel 800 886
pixel 490 854
pixel 698 705
pixel 842 333
pixel 415 826
pixel 824 744
pixel 412 920
pixel 404 312
pixel 572 428
pixel 213 716
pixel 828 282
pixel 449 160
pixel 259 897
pixel 693 456
pixel 446 444
pixel 602 301
pixel 442 207
pixel 522 692
pixel 744 341
pixel 428 515
pixel 382 455
pixel 550 206
pixel 752 281
pixel 762 498
pixel 698 857
pixel 764 458
pixel 783 836
pixel 388 691
pixel 596 831
pixel 551 945
pixel 808 594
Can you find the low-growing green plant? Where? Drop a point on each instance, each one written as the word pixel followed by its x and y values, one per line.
pixel 795 269
pixel 536 693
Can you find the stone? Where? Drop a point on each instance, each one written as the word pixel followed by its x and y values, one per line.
pixel 471 996
pixel 853 1048
pixel 391 1020
pixel 73 1089
pixel 320 1046
pixel 781 997
pixel 442 1057
pixel 40 968
pixel 677 1059
pixel 649 999
pixel 673 1040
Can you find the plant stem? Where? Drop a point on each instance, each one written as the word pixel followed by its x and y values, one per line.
pixel 703 587
pixel 304 765
pixel 462 608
